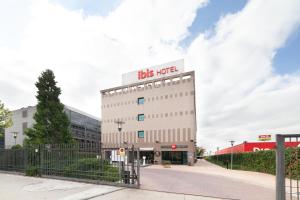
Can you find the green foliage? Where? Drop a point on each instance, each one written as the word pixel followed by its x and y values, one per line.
pixel 32 171
pixel 17 146
pixel 52 123
pixel 5 118
pixel 92 168
pixel 65 160
pixel 200 151
pixel 259 161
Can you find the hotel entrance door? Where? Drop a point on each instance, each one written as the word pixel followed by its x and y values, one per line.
pixel 175 157
pixel 149 156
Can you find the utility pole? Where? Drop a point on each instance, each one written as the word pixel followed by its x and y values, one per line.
pixel 120 123
pixel 231 142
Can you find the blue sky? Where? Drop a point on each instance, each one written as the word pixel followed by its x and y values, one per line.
pixel 286 60
pixel 209 15
pixel 90 7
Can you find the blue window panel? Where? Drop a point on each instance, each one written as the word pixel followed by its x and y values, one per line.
pixel 140 117
pixel 141 100
pixel 140 134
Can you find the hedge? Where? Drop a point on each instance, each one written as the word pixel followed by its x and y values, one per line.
pixel 92 168
pixel 260 161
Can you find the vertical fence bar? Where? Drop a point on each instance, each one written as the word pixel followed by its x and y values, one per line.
pixel 280 168
pixel 138 168
pixel 291 172
pixel 297 168
pixel 132 165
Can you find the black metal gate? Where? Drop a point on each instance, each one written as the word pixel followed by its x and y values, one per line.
pixel 88 163
pixel 287 168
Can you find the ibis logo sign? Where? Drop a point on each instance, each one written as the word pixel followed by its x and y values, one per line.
pixel 158 71
pixel 264 137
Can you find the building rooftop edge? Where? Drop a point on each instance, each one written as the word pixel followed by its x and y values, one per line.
pixel 68 107
pixel 149 81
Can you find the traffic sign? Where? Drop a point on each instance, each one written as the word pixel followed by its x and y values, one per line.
pixel 173 146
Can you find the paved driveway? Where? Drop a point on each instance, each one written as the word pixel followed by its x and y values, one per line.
pixel 209 180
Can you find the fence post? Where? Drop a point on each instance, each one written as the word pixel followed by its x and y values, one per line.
pixel 41 158
pixel 132 164
pixel 280 168
pixel 138 167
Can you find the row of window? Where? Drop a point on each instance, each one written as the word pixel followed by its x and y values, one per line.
pixel 150 136
pixel 142 117
pixel 150 85
pixel 85 128
pixel 78 134
pixel 142 100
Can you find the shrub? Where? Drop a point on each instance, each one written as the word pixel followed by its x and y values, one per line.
pixel 17 146
pixel 92 168
pixel 166 163
pixel 259 161
pixel 32 171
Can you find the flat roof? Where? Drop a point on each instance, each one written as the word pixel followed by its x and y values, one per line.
pixel 67 107
pixel 149 81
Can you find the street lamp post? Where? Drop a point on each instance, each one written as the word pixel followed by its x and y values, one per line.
pixel 121 168
pixel 231 142
pixel 15 136
pixel 120 123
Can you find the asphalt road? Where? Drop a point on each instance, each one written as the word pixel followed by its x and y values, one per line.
pixel 202 179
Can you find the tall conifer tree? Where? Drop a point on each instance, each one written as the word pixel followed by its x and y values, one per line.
pixel 51 122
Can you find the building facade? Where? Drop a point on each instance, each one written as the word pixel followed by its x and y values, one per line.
pixel 84 128
pixel 158 116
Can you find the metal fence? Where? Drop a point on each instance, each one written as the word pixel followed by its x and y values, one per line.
pixel 287 168
pixel 84 162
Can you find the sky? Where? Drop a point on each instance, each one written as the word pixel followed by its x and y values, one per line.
pixel 245 55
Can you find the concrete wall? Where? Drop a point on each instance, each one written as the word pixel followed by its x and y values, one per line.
pixel 18 121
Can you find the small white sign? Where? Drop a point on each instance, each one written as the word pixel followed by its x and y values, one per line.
pixel 154 72
pixel 146 149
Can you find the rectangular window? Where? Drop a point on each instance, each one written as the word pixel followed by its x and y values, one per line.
pixel 140 134
pixel 140 100
pixel 24 127
pixel 24 113
pixel 140 117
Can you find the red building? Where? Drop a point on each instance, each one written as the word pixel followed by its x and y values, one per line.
pixel 254 146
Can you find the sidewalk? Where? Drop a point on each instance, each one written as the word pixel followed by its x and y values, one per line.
pixel 137 194
pixel 28 188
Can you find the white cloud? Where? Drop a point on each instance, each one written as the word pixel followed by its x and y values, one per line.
pixel 239 96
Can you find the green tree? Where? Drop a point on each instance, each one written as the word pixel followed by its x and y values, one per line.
pixel 5 119
pixel 51 122
pixel 200 151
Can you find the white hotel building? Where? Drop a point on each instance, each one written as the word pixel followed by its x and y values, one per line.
pixel 157 106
